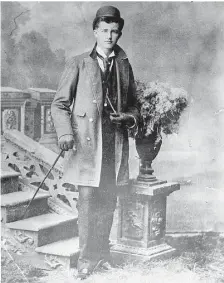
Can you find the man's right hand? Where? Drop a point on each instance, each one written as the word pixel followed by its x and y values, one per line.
pixel 66 142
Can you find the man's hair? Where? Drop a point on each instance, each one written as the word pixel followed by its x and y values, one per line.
pixel 108 20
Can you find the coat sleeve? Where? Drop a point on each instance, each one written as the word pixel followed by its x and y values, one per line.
pixel 65 96
pixel 132 103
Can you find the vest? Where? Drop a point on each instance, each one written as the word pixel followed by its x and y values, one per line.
pixel 109 83
pixel 108 128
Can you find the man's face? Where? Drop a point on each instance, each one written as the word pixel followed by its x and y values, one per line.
pixel 107 35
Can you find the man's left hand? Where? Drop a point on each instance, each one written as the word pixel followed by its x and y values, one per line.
pixel 122 119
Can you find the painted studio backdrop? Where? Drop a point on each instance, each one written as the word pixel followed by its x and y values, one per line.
pixel 179 43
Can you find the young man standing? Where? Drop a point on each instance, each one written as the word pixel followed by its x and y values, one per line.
pixel 92 110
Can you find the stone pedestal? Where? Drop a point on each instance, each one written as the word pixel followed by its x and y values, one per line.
pixel 12 109
pixel 31 119
pixel 48 136
pixel 28 111
pixel 142 222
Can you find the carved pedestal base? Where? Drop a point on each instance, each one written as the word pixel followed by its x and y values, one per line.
pixel 125 254
pixel 142 222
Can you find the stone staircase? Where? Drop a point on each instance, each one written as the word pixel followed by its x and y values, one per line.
pixel 52 236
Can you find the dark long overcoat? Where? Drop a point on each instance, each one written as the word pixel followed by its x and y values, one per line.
pixel 77 109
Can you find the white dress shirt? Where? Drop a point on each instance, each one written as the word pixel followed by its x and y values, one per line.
pixel 100 61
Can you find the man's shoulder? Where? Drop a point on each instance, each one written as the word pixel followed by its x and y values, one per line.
pixel 82 56
pixel 120 52
pixel 77 58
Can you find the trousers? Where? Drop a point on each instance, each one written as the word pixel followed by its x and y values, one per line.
pixel 96 205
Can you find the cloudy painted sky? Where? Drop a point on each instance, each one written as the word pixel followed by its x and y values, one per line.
pixel 177 42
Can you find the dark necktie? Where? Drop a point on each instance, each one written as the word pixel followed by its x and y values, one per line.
pixel 106 63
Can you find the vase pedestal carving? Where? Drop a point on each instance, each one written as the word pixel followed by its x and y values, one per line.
pixel 142 222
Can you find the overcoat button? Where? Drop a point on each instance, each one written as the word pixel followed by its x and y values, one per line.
pixel 88 139
pixel 91 119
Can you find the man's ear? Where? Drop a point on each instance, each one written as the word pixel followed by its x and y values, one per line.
pixel 120 34
pixel 95 33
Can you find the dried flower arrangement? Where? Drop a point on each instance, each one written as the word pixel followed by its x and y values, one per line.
pixel 160 106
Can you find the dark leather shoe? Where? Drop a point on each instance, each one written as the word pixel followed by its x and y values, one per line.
pixel 106 265
pixel 85 272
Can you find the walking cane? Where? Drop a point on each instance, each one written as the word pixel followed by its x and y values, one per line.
pixel 56 160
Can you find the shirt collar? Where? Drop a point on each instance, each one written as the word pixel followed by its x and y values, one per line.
pixel 100 51
pixel 118 51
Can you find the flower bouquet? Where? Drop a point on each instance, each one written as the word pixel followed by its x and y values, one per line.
pixel 161 107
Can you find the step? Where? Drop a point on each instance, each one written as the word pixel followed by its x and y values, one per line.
pixel 9 182
pixel 13 205
pixel 64 253
pixel 44 229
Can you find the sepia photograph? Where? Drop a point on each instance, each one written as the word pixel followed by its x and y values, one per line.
pixel 112 141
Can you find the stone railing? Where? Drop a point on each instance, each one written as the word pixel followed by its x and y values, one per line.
pixel 29 112
pixel 17 112
pixel 33 160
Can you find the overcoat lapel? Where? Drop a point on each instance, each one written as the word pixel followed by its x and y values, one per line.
pixel 123 76
pixel 94 74
pixel 123 69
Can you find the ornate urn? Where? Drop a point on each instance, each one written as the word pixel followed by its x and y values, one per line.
pixel 148 147
pixel 160 106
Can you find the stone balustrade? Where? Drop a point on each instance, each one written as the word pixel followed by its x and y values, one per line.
pixel 33 160
pixel 28 111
